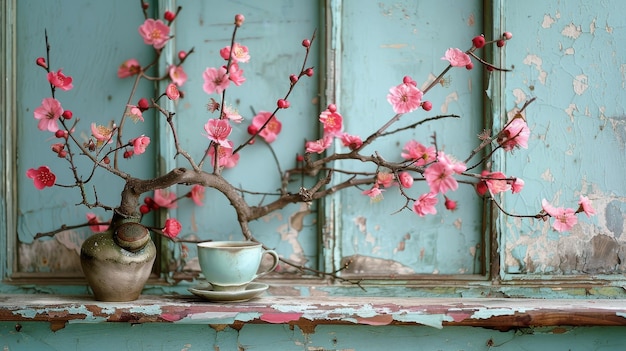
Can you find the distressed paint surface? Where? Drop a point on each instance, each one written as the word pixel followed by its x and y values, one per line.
pixel 296 324
pixel 569 56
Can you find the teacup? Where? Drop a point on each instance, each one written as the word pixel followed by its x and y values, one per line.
pixel 232 265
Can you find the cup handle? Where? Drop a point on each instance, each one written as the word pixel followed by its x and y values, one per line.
pixel 276 260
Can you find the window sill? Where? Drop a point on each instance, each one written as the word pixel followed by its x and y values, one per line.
pixel 307 312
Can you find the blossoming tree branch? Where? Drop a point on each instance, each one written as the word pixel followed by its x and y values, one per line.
pixel 109 149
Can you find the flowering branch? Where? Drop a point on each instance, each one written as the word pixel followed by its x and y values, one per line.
pixel 315 160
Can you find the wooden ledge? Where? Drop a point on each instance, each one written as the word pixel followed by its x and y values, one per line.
pixel 307 312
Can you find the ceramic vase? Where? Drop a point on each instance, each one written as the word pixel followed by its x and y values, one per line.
pixel 117 262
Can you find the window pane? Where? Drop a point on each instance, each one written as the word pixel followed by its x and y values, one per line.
pixel 572 61
pixel 382 42
pixel 88 41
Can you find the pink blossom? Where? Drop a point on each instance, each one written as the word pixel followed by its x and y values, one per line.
pixel 218 130
pixel 406 179
pixel 564 218
pixel 101 133
pixel 155 33
pixel 423 155
pixel 439 177
pixel 140 144
pixel 232 114
pixel 404 98
pixel 172 227
pixel 215 80
pixel 319 146
pixel 457 58
pixel 496 182
pixel 240 53
pixel 165 199
pixel 95 223
pixel 425 204
pixel 585 206
pixel 60 80
pixel 128 68
pixel 271 130
pixel 332 121
pixel 48 114
pixel 197 194
pixel 225 154
pixel 42 177
pixel 172 92
pixel 375 194
pixel 235 74
pixel 177 75
pixel 385 179
pixel 351 141
pixel 517 186
pixel 134 112
pixel 515 134
pixel 456 166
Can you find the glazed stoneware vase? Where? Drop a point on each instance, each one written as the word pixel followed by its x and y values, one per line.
pixel 117 262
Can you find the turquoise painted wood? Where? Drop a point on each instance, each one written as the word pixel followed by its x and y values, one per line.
pixel 570 57
pixel 119 336
pixel 88 41
pixel 381 42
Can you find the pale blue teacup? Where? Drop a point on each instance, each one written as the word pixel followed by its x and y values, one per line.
pixel 232 265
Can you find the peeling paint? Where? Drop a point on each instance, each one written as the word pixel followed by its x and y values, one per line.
pixel 572 31
pixel 580 83
pixel 548 21
pixel 537 62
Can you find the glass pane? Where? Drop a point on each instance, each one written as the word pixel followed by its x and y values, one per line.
pixel 273 32
pixel 89 40
pixel 572 61
pixel 382 42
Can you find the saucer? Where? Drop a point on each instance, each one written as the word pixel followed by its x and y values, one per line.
pixel 206 291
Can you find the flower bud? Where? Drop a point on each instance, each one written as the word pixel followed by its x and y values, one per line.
pixel 239 18
pixel 293 78
pixel 309 72
pixel 332 108
pixel 144 5
pixel 62 154
pixel 306 43
pixel 143 104
pixel 450 204
pixel 58 147
pixel 60 133
pixel 169 16
pixel 67 114
pixel 144 209
pixel 469 66
pixel 507 35
pixel 182 54
pixel 282 103
pixel 500 43
pixel 42 62
pixel 478 41
pixel 427 105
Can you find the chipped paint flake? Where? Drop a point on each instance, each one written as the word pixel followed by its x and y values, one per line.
pixel 449 99
pixel 548 21
pixel 570 111
pixel 394 46
pixel 431 320
pixel 580 83
pixel 520 96
pixel 537 62
pixel 572 31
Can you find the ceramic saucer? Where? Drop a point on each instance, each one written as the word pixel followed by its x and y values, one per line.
pixel 206 291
